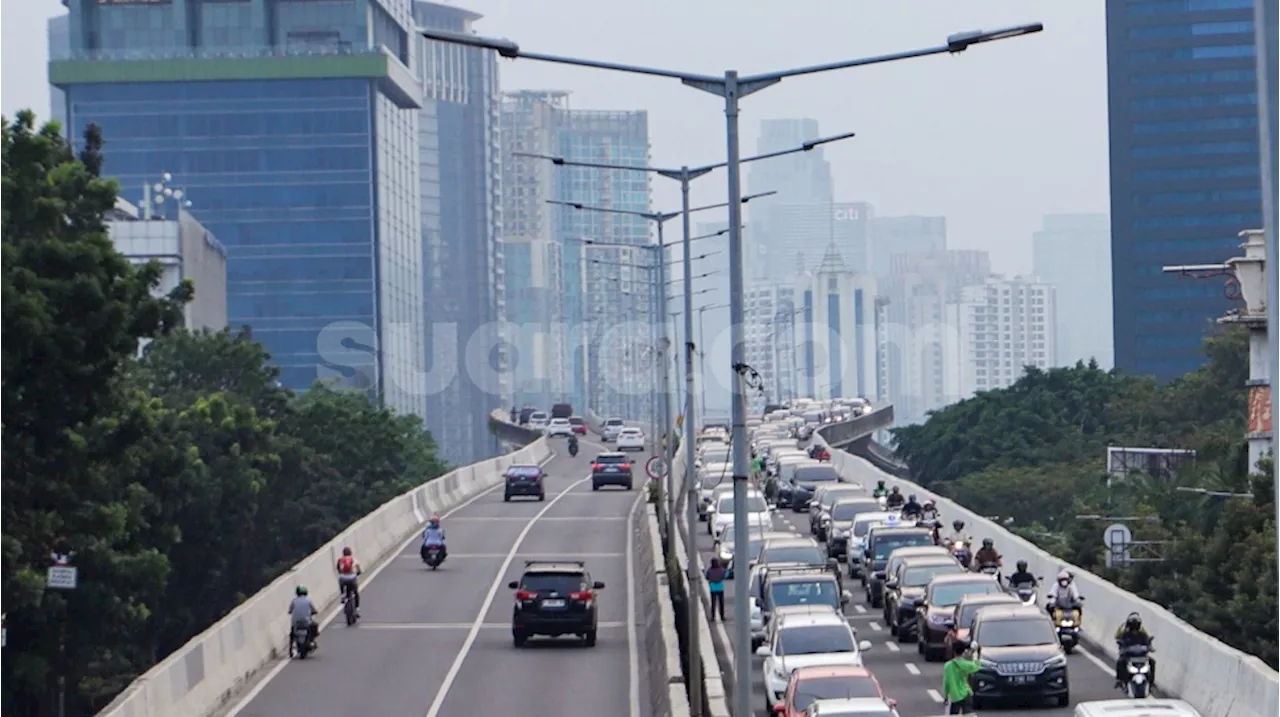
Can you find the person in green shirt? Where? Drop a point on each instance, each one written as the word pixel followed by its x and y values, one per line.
pixel 955 679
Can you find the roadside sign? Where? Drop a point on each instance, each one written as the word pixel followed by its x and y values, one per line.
pixel 656 467
pixel 61 577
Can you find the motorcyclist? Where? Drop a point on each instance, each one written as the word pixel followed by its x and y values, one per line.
pixel 433 537
pixel 987 555
pixel 303 612
pixel 929 512
pixel 895 501
pixel 1066 594
pixel 912 508
pixel 1021 575
pixel 880 491
pixel 1131 634
pixel 573 444
pixel 958 535
pixel 349 576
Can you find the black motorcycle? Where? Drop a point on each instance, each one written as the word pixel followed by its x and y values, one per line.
pixel 1138 666
pixel 573 449
pixel 433 555
pixel 300 642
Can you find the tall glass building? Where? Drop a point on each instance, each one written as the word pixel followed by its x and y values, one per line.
pixel 1183 94
pixel 461 202
pixel 292 127
pixel 802 178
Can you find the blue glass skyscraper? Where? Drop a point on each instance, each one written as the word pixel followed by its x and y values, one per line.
pixel 292 126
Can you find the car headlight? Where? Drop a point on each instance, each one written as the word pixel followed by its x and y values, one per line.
pixel 1067 623
pixel 1056 661
pixel 937 619
pixel 987 664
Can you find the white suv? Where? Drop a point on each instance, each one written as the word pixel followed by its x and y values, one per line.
pixel 560 427
pixel 538 420
pixel 612 427
pixel 630 439
pixel 804 640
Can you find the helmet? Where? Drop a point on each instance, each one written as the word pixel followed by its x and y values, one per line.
pixel 301 590
pixel 346 551
pixel 1064 578
pixel 912 497
pixel 958 525
pixel 1134 621
pixel 879 484
pixel 929 503
pixel 895 490
pixel 988 543
pixel 1022 566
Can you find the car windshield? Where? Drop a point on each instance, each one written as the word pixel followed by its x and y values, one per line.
pixel 563 583
pixel 815 639
pixel 1015 633
pixel 948 595
pixel 862 527
pixel 920 577
pixel 613 422
pixel 848 509
pixel 968 611
pixel 833 688
pixel 560 421
pixel 524 471
pixel 612 459
pixel 803 554
pixel 713 479
pixel 816 474
pixel 755 504
pixel 809 592
pixel 574 420
pixel 888 543
pixel 715 456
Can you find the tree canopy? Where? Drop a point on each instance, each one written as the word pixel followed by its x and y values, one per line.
pixel 179 482
pixel 1033 455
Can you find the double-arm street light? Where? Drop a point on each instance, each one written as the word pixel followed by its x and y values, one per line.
pixel 732 88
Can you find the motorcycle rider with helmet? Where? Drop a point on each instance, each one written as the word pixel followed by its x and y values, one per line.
pixel 303 612
pixel 957 525
pixel 895 501
pixel 912 510
pixel 929 512
pixel 349 577
pixel 987 555
pixel 1021 575
pixel 573 445
pixel 1066 594
pixel 433 537
pixel 1132 634
pixel 880 491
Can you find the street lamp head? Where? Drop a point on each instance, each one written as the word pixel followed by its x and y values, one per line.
pixel 807 146
pixel 558 161
pixel 749 197
pixel 502 46
pixel 961 41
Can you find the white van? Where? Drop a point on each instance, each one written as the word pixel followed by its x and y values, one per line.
pixel 1136 708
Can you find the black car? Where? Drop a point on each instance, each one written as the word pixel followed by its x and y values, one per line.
pixel 1021 657
pixel 611 469
pixel 554 599
pixel 805 480
pixel 936 615
pixel 525 480
pixel 904 591
pixel 799 551
pixel 881 541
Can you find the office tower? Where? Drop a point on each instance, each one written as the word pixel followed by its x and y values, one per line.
pixel 904 235
pixel 772 330
pixel 917 291
pixel 292 128
pixel 808 230
pixel 839 351
pixel 460 164
pixel 534 258
pixel 59 49
pixel 1183 94
pixel 1001 326
pixel 1072 253
pixel 801 178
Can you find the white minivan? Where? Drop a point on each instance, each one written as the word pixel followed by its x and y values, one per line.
pixel 1136 708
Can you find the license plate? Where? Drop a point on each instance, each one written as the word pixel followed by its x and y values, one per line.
pixel 614 469
pixel 1022 679
pixel 553 603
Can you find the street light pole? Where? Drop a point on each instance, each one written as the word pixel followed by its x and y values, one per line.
pixel 732 89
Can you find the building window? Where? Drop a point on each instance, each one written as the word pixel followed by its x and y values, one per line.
pixel 1195 29
pixel 1212 124
pixel 1226 195
pixel 1159 7
pixel 1170 173
pixel 1236 99
pixel 1194 78
pixel 1211 52
pixel 1199 148
pixel 1239 219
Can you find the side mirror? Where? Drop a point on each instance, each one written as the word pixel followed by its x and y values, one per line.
pixel 514 585
pixel 762 651
pixel 845 597
pixel 597 585
pixel 891 583
pixel 833 564
pixel 879 575
pixel 949 622
pixel 756 643
pixel 864 645
pixel 893 704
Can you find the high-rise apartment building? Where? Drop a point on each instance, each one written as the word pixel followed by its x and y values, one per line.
pixel 801 178
pixel 839 354
pixel 1072 253
pixel 292 126
pixel 1183 95
pixel 1000 327
pixel 904 235
pixel 772 330
pixel 917 291
pixel 460 166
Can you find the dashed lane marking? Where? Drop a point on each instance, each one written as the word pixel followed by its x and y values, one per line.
pixel 501 556
pixel 875 625
pixel 893 646
pixel 860 608
pixel 935 696
pixel 912 668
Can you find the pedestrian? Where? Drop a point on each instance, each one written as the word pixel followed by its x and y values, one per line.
pixel 955 679
pixel 716 574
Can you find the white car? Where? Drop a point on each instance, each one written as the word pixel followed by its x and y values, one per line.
pixel 538 420
pixel 559 427
pixel 712 454
pixel 806 640
pixel 630 439
pixel 612 427
pixel 853 707
pixel 721 515
pixel 714 481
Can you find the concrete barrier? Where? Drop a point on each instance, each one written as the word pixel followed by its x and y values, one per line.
pixel 201 676
pixel 1217 679
pixel 666 675
pixel 500 425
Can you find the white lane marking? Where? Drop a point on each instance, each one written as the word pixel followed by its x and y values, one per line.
pixel 875 625
pixel 935 696
pixel 568 556
pixel 457 625
pixel 257 689
pixel 912 668
pixel 633 642
pixel 456 667
pixel 860 608
pixel 560 518
pixel 893 646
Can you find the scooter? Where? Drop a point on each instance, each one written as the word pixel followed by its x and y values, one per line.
pixel 1067 624
pixel 433 555
pixel 300 643
pixel 573 449
pixel 960 551
pixel 1138 665
pixel 1026 592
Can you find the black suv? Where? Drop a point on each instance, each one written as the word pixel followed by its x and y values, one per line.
pixel 881 541
pixel 806 480
pixel 904 591
pixel 554 599
pixel 525 480
pixel 1021 657
pixel 611 469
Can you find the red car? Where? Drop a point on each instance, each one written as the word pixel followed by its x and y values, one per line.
pixel 578 425
pixel 826 683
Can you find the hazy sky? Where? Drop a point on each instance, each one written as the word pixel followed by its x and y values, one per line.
pixel 993 138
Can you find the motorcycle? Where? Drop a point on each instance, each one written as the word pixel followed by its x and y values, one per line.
pixel 990 569
pixel 1026 592
pixel 882 502
pixel 433 555
pixel 300 643
pixel 960 551
pixel 349 606
pixel 573 449
pixel 1067 624
pixel 1138 665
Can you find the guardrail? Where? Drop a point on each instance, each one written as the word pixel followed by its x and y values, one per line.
pixel 501 425
pixel 1218 680
pixel 857 431
pixel 201 676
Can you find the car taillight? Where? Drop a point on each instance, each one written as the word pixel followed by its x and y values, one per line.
pixel 526 594
pixel 597 466
pixel 625 466
pixel 584 596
